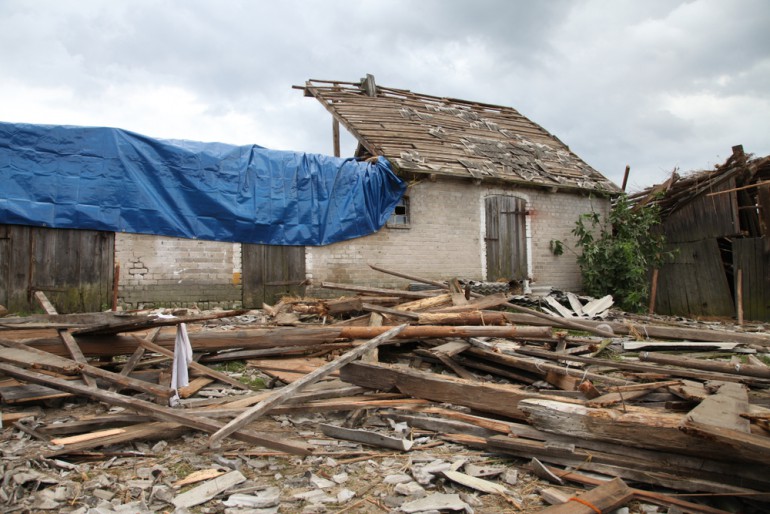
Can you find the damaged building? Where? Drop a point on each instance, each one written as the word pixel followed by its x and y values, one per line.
pixel 488 190
pixel 717 226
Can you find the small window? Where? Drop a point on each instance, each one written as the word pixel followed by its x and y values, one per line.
pixel 400 216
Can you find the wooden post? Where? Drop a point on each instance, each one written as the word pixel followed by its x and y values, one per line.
pixel 625 177
pixel 115 282
pixel 336 136
pixel 739 295
pixel 653 290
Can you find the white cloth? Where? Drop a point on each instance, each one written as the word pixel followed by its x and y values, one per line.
pixel 183 355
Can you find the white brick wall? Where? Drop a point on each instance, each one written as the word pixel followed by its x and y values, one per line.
pixel 446 239
pixel 168 271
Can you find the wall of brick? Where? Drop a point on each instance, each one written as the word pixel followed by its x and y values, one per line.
pixel 446 239
pixel 172 272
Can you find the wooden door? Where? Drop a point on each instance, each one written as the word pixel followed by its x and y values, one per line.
pixel 74 268
pixel 506 237
pixel 270 272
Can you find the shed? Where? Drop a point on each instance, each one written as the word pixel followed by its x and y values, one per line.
pixel 489 190
pixel 717 224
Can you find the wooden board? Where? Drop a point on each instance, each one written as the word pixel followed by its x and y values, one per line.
pixel 73 267
pixel 751 256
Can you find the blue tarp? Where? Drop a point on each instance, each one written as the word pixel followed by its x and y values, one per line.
pixel 118 181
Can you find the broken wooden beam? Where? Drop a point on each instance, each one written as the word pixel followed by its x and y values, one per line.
pixel 499 399
pixel 156 411
pixel 749 370
pixel 72 346
pixel 283 336
pixel 603 498
pixel 638 366
pixel 285 393
pixel 20 354
pixel 225 379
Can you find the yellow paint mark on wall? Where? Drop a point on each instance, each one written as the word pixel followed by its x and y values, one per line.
pixel 237 278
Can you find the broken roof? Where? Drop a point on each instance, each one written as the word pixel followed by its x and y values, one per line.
pixel 420 133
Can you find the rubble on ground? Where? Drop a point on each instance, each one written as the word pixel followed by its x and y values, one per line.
pixel 433 400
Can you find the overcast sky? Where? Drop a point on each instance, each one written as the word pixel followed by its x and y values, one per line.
pixel 655 84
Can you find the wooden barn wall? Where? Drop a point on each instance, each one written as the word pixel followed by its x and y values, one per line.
pixel 752 256
pixel 74 268
pixel 695 282
pixel 705 217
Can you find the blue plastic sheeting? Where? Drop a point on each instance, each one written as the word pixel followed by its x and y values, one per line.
pixel 118 181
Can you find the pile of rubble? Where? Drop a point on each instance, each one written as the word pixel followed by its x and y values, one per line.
pixel 434 400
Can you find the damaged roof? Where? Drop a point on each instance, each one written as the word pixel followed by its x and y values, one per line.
pixel 421 133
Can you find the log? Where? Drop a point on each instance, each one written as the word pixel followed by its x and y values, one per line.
pixel 655 331
pixel 543 367
pixel 285 393
pixel 553 320
pixel 104 346
pixel 462 318
pixel 647 368
pixel 749 370
pixel 376 291
pixel 156 411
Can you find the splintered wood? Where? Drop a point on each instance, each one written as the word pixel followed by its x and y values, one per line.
pixel 617 399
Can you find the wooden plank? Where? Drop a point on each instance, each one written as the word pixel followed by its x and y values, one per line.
pixel 283 394
pixel 646 469
pixel 19 354
pixel 485 302
pixel 156 411
pixel 650 496
pixel 645 368
pixel 485 397
pixel 635 426
pixel 375 290
pixel 132 361
pixel 366 437
pixel 707 365
pixel 724 408
pixel 735 445
pixel 142 431
pixel 604 498
pixel 87 437
pixel 462 318
pixel 69 341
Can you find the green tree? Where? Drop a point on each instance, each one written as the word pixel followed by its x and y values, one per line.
pixel 618 252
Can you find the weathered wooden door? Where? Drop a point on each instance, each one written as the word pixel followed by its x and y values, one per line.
pixel 506 237
pixel 74 268
pixel 270 272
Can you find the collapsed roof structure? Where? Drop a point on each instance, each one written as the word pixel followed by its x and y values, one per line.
pixel 425 134
pixel 717 223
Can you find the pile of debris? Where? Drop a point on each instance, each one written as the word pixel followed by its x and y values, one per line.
pixel 390 400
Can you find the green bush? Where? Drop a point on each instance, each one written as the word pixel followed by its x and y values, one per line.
pixel 618 252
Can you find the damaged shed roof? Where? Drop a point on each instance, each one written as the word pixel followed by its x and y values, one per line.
pixel 420 133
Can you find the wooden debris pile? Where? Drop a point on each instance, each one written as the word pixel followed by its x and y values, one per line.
pixel 679 412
